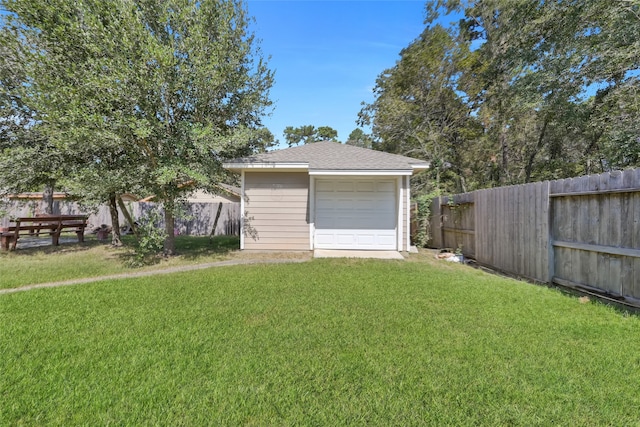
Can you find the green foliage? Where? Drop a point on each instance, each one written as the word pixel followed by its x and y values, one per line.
pixel 358 138
pixel 423 217
pixel 326 133
pixel 139 94
pixel 515 92
pixel 419 110
pixel 328 342
pixel 151 237
pixel 308 134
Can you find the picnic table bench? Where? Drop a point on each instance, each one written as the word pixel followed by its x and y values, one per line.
pixel 32 226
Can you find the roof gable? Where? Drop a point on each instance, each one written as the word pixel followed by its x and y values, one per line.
pixel 330 156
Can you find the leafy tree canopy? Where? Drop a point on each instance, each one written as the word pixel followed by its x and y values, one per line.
pixel 515 92
pixel 358 138
pixel 142 93
pixel 308 134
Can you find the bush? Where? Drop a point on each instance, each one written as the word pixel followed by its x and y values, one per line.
pixel 151 236
pixel 423 234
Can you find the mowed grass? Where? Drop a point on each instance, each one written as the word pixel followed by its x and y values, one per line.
pixel 93 258
pixel 328 342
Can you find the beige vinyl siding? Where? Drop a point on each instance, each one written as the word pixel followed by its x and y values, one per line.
pixel 276 206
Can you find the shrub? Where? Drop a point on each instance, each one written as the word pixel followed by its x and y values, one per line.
pixel 423 216
pixel 151 236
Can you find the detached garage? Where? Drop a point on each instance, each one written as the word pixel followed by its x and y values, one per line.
pixel 325 195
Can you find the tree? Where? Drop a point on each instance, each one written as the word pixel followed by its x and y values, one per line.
pixel 308 134
pixel 419 110
pixel 514 92
pixel 326 133
pixel 358 138
pixel 163 90
pixel 28 160
pixel 551 79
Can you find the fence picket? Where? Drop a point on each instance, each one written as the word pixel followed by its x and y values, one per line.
pixel 198 218
pixel 595 221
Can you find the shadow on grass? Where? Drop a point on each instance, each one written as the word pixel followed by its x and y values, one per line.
pixel 42 245
pixel 191 247
pixel 187 247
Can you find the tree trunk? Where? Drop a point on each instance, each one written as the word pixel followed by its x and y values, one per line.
pixel 504 151
pixel 47 197
pixel 127 216
pixel 528 169
pixel 215 222
pixel 169 224
pixel 115 221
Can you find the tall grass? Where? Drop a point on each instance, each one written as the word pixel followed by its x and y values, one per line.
pixel 329 342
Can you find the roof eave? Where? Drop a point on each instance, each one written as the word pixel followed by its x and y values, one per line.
pixel 266 166
pixel 420 167
pixel 360 172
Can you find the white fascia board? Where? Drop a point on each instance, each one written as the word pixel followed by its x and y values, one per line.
pixel 320 172
pixel 279 166
pixel 420 167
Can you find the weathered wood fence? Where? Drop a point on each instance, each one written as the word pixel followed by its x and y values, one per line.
pixel 197 220
pixel 582 232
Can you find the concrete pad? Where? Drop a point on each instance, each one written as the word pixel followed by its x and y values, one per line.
pixel 326 253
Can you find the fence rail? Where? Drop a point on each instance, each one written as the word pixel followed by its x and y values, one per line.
pixel 198 218
pixel 580 232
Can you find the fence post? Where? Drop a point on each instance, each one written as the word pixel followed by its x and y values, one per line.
pixel 551 256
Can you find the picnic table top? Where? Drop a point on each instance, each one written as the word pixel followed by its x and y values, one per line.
pixel 43 218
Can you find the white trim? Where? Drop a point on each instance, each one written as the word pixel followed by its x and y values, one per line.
pixel 408 207
pixel 420 167
pixel 242 210
pixel 324 172
pixel 399 223
pixel 312 211
pixel 388 233
pixel 270 165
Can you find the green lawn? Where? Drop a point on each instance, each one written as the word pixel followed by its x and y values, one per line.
pixel 93 258
pixel 328 342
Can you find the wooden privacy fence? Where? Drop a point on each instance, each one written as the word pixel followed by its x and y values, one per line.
pixel 581 232
pixel 198 218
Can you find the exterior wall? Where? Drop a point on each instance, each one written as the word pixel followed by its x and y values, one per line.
pixel 276 211
pixel 201 196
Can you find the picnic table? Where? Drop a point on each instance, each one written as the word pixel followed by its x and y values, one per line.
pixel 54 225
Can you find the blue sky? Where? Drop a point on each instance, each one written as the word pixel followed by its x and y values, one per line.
pixel 327 55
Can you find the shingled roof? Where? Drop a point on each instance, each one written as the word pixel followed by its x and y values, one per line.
pixel 328 156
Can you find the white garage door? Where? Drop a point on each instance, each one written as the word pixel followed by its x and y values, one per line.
pixel 355 214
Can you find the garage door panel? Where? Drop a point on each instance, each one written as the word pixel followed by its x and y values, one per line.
pixel 344 186
pixel 364 186
pixel 366 239
pixel 345 239
pixel 356 214
pixel 387 240
pixel 324 186
pixel 388 187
